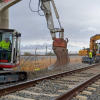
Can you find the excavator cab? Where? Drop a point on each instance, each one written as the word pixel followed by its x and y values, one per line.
pixel 9 48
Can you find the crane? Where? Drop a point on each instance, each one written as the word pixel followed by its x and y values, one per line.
pixel 59 45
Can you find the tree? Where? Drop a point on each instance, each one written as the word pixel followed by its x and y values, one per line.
pixel 50 53
pixel 27 53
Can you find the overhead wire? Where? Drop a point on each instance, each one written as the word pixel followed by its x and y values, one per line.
pixel 40 7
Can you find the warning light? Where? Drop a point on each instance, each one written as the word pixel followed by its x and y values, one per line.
pixel 3 60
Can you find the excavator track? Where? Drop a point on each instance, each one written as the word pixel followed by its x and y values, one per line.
pixel 12 76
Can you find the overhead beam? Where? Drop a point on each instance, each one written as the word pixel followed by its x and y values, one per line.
pixel 4 12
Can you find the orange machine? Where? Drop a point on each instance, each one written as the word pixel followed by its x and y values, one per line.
pixel 83 52
pixel 93 46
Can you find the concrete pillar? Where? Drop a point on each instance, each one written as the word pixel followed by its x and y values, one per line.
pixel 4 19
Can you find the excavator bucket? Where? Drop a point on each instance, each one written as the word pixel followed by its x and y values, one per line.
pixel 61 51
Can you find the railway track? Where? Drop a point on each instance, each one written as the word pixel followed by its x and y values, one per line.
pixel 87 90
pixel 45 72
pixel 50 87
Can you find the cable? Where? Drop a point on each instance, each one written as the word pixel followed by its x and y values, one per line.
pixel 38 8
pixel 31 8
pixel 44 6
pixel 45 9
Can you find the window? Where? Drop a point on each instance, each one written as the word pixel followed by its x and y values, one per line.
pixel 5 47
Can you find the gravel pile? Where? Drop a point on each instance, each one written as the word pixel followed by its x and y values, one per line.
pixel 46 72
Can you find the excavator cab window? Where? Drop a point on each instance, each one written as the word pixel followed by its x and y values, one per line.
pixel 5 46
pixel 9 48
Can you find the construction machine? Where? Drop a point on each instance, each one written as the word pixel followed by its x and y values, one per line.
pixel 59 44
pixel 94 47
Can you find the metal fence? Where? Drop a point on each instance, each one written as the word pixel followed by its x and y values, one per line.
pixel 37 62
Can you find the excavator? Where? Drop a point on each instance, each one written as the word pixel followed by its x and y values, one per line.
pixel 94 47
pixel 59 45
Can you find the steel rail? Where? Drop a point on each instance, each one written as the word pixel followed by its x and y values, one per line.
pixel 79 88
pixel 26 84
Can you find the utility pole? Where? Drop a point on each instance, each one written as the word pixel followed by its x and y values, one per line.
pixel 35 57
pixel 46 50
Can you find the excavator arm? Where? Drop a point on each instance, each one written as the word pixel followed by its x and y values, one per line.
pixel 93 40
pixel 93 44
pixel 45 6
pixel 59 44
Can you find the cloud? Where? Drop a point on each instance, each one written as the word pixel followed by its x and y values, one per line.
pixel 41 49
pixel 88 29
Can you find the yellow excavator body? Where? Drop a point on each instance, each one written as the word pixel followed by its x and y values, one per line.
pixel 95 47
pixel 83 52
